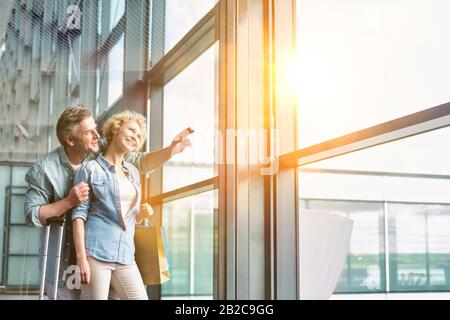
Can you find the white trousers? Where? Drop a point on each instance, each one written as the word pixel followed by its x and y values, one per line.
pixel 126 281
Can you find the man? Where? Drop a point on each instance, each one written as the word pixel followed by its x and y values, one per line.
pixel 50 192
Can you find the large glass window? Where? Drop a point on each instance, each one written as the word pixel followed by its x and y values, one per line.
pixel 420 247
pixel 23 272
pixel 189 229
pixel 99 18
pixel 397 195
pixel 116 11
pixel 421 154
pixel 18 176
pixel 181 16
pixel 21 246
pixel 189 102
pixel 5 173
pixel 361 63
pixel 115 75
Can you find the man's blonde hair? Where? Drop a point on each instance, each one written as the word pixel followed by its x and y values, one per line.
pixel 71 116
pixel 112 125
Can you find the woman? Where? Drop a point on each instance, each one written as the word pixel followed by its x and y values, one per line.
pixel 103 225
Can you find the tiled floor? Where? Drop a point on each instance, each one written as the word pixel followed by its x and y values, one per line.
pixel 392 296
pixel 35 297
pixel 18 297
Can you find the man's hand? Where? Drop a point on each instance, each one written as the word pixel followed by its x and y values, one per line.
pixel 181 141
pixel 78 194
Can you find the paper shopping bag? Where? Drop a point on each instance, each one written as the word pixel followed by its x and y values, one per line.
pixel 151 254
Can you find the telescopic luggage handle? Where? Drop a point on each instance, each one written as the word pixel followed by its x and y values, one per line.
pixel 56 220
pixel 59 221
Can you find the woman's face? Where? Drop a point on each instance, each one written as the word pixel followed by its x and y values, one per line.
pixel 129 136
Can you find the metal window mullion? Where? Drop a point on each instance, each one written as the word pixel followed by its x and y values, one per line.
pixel 22 255
pixel 376 173
pixel 427 252
pixel 192 219
pixel 221 262
pixel 6 231
pixel 6 224
pixel 392 223
pixel 242 45
pixel 88 57
pixel 156 116
pixel 404 127
pixel 386 247
pixel 286 193
pixel 258 122
pixel 241 156
pixel 45 55
pixel 228 43
pixel 183 192
pixel 156 177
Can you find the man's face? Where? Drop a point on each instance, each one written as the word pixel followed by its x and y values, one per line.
pixel 85 136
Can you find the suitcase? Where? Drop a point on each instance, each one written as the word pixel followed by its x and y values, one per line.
pixel 59 221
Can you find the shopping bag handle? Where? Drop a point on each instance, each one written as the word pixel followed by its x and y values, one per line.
pixel 147 223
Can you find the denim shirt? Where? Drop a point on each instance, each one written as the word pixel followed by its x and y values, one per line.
pixel 108 236
pixel 49 180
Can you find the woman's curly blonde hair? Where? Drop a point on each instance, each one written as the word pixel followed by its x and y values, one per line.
pixel 112 126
